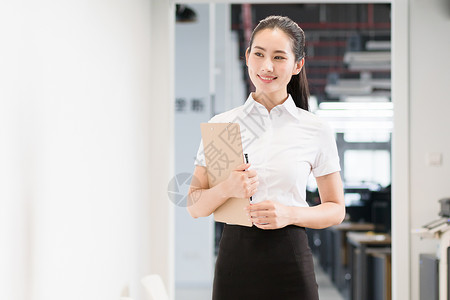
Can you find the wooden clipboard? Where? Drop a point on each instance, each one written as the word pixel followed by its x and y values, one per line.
pixel 222 146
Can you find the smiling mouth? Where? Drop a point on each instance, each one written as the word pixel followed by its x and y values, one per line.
pixel 268 79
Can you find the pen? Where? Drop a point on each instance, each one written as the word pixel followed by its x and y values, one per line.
pixel 246 161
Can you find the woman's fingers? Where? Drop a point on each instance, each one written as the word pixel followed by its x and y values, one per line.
pixel 242 167
pixel 251 173
pixel 242 183
pixel 260 221
pixel 264 205
pixel 268 214
pixel 255 215
pixel 252 182
pixel 260 216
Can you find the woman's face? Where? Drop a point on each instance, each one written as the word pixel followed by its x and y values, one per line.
pixel 271 64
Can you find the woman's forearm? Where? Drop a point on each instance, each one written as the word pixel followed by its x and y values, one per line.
pixel 317 217
pixel 203 202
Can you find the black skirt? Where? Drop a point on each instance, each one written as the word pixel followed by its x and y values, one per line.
pixel 253 263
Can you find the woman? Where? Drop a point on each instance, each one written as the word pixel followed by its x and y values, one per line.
pixel 285 143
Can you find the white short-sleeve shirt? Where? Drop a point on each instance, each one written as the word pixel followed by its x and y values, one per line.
pixel 284 147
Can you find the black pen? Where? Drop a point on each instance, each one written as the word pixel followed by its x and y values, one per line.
pixel 246 161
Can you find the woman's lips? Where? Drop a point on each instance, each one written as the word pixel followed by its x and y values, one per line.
pixel 267 79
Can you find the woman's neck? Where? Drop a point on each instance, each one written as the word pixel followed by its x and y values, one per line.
pixel 269 101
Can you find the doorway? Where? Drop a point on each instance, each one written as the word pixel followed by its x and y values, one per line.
pixel 212 104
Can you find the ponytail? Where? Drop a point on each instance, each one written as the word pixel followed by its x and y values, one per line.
pixel 299 89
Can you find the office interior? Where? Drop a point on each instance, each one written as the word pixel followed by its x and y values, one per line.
pixel 88 124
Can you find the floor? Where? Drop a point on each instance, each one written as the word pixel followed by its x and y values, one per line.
pixel 327 291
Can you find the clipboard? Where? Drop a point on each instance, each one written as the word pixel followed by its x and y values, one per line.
pixel 222 146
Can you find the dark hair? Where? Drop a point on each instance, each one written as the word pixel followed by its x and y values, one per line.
pixel 298 86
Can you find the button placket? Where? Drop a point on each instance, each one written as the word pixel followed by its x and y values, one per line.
pixel 259 117
pixel 266 146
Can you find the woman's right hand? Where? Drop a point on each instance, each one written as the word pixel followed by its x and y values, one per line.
pixel 242 183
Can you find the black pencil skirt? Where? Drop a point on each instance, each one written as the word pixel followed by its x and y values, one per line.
pixel 259 264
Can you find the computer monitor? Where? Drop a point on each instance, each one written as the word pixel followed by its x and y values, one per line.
pixel 381 210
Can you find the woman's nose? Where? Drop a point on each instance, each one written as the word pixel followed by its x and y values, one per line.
pixel 268 65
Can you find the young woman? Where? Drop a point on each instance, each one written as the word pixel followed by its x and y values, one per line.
pixel 285 143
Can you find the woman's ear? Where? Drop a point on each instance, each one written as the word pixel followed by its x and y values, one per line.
pixel 298 66
pixel 247 53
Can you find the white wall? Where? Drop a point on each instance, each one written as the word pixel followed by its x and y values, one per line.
pixel 80 173
pixel 160 155
pixel 430 123
pixel 230 87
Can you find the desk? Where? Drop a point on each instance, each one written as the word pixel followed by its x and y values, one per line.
pixel 358 242
pixel 339 233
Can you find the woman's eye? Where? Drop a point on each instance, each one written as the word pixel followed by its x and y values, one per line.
pixel 258 54
pixel 279 57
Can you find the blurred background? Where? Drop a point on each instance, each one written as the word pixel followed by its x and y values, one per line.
pixel 100 103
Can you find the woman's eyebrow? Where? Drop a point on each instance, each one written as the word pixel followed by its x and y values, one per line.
pixel 276 51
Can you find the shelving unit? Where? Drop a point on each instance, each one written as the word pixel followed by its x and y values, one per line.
pixel 342 41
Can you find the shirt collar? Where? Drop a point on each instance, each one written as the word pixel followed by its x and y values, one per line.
pixel 288 105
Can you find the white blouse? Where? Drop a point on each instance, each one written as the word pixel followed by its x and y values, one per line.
pixel 284 147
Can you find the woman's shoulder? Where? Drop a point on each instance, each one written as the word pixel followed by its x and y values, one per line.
pixel 315 123
pixel 311 118
pixel 227 116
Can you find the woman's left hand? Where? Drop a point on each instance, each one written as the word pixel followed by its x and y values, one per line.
pixel 269 214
